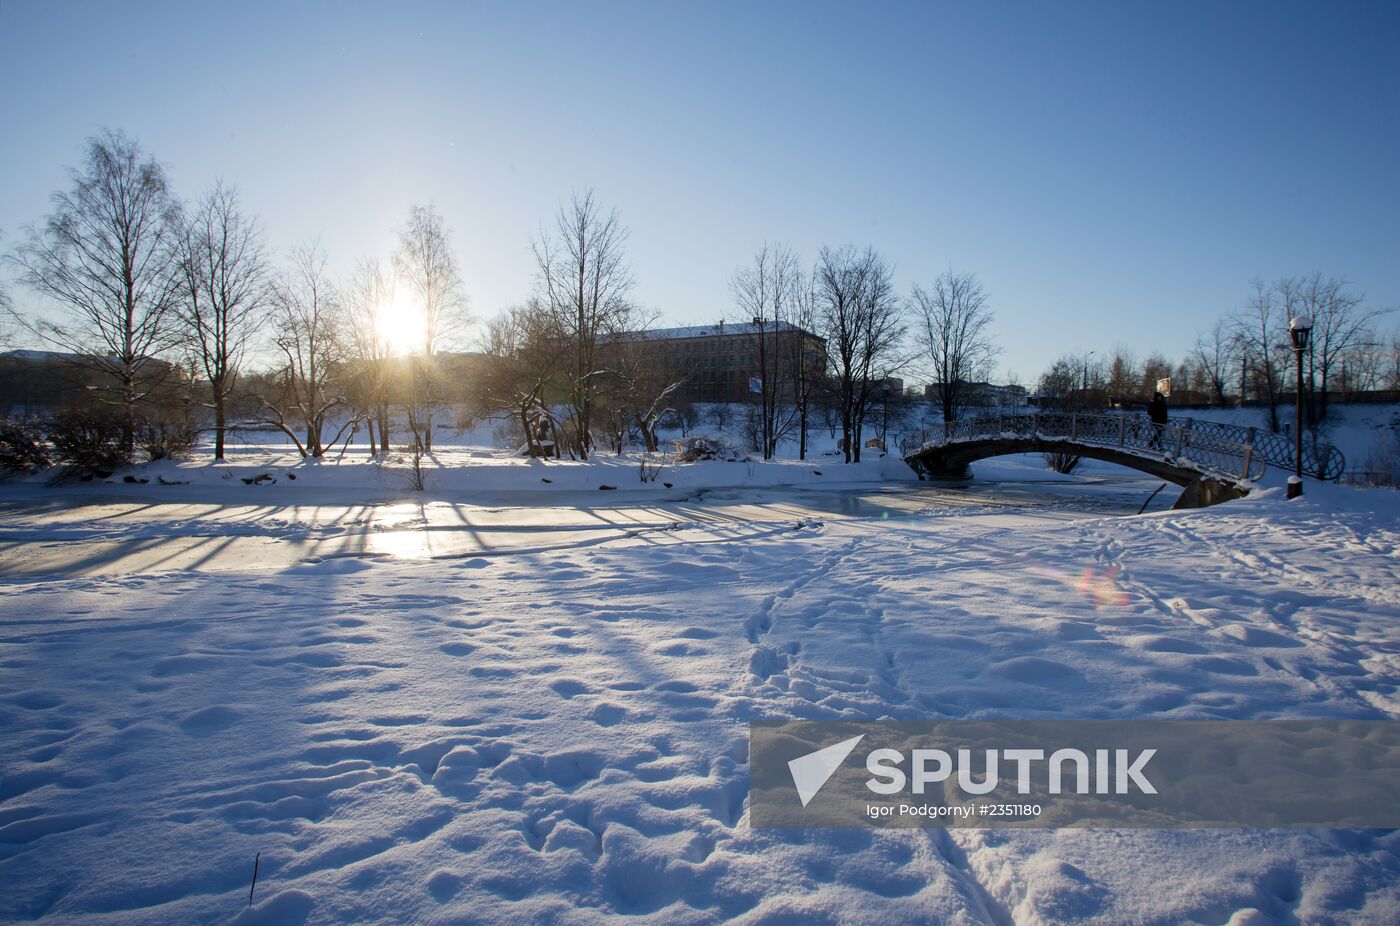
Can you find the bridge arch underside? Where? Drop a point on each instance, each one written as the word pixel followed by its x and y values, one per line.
pixel 951 462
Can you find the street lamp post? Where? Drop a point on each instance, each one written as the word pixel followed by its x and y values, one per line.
pixel 1084 383
pixel 1300 330
pixel 885 427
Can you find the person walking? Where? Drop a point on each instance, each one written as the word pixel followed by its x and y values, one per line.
pixel 1157 414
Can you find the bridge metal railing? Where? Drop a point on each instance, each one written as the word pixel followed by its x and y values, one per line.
pixel 1209 445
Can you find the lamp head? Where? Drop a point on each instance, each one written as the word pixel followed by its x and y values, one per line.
pixel 1300 330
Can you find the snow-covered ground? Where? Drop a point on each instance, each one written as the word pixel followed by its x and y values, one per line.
pixel 509 700
pixel 558 734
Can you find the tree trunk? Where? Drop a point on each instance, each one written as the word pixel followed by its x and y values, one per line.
pixel 128 411
pixel 531 442
pixel 218 426
pixel 802 431
pixel 648 433
pixel 1322 396
pixel 428 408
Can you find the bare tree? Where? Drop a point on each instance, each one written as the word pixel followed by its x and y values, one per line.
pixel 584 282
pixel 1155 368
pixel 1072 379
pixel 7 310
pixel 7 314
pixel 1391 372
pixel 1124 376
pixel 1341 323
pixel 719 414
pixel 806 362
pixel 1214 356
pixel 953 324
pixel 862 321
pixel 1060 381
pixel 767 293
pixel 367 298
pixel 1258 328
pixel 109 257
pixel 426 265
pixel 526 351
pixel 307 334
pixel 636 384
pixel 224 266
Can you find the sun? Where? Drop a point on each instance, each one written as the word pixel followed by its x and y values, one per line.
pixel 400 322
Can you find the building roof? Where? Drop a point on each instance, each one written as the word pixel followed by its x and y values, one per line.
pixel 40 355
pixel 54 356
pixel 718 329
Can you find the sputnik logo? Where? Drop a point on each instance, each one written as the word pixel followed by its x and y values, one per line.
pixel 811 771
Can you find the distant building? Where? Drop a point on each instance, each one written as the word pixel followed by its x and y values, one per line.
pixel 719 362
pixel 982 395
pixel 41 382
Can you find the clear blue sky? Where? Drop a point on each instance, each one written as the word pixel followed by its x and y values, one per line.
pixel 1112 171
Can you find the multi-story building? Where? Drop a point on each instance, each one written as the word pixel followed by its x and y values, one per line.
pixel 41 382
pixel 720 362
pixel 982 395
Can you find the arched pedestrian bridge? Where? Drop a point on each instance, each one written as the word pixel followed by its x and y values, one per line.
pixel 1214 462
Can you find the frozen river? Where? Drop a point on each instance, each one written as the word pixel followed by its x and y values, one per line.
pixel 96 532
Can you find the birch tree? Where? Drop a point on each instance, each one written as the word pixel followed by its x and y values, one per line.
pixel 108 257
pixel 224 268
pixel 427 267
pixel 584 282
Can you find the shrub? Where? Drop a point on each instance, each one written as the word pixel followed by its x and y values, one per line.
pixel 22 449
pixel 414 454
pixel 695 449
pixel 1062 462
pixel 88 443
pixel 166 436
pixel 650 468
